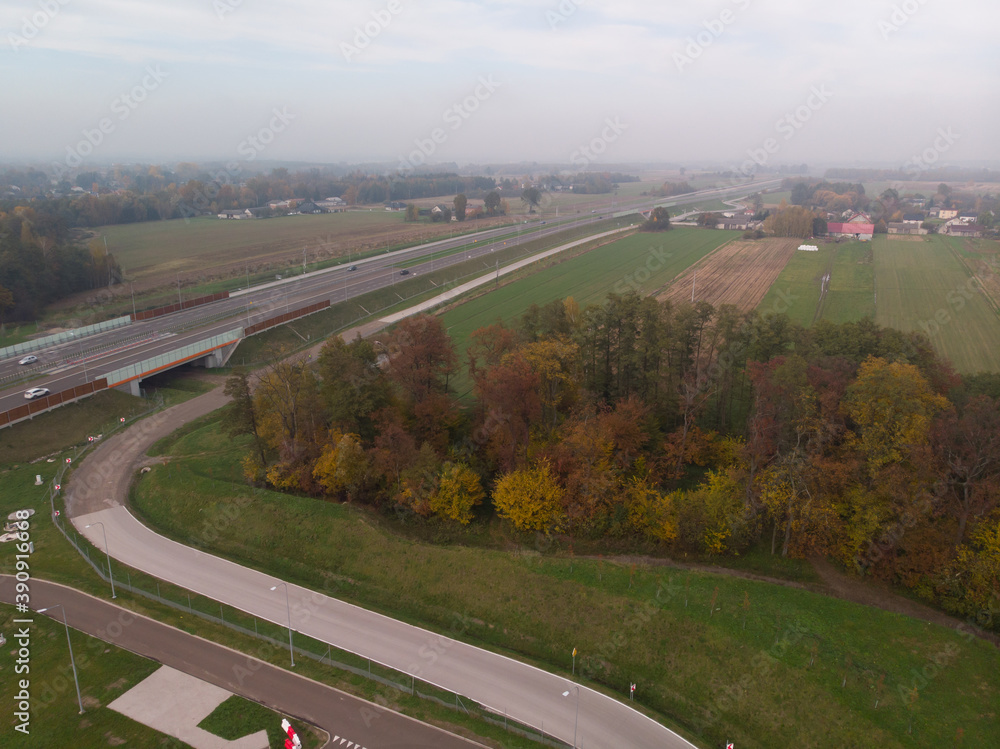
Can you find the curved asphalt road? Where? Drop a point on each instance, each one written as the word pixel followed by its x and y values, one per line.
pixel 97 493
pixel 338 713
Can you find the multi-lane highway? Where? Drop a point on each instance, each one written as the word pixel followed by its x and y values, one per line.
pixel 71 364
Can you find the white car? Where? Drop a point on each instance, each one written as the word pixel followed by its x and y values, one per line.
pixel 36 393
pixel 29 359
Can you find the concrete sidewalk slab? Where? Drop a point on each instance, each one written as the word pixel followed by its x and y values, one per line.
pixel 174 703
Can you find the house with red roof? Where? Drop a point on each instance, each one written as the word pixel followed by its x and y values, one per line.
pixel 852 229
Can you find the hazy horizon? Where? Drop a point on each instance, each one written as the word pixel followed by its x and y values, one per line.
pixel 579 83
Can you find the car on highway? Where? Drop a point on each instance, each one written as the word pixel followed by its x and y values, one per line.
pixel 29 359
pixel 404 272
pixel 353 267
pixel 36 393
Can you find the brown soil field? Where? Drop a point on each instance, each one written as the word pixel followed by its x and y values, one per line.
pixel 738 273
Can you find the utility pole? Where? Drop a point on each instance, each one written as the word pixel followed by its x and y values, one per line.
pixel 693 280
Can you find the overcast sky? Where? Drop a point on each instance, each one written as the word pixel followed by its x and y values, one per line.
pixel 850 81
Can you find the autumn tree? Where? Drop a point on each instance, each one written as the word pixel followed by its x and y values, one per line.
pixel 460 203
pixel 531 197
pixel 241 416
pixel 421 359
pixel 530 498
pixel 893 406
pixel 508 395
pixel 343 468
pixel 492 203
pixel 969 447
pixel 459 490
pixel 353 385
pixel 659 220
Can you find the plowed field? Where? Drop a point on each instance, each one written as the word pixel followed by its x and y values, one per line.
pixel 738 273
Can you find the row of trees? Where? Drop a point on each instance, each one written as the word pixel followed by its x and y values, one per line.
pixel 698 429
pixel 39 263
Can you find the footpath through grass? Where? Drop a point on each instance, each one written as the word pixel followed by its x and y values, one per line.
pixel 726 658
pixel 850 291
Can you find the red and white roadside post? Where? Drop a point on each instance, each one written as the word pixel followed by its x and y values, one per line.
pixel 293 741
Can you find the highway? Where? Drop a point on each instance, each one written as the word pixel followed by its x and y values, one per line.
pixel 97 494
pixel 339 714
pixel 69 365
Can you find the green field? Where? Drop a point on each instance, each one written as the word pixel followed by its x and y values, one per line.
pixel 641 262
pixel 172 244
pixel 105 673
pixel 849 297
pixel 925 286
pixel 728 659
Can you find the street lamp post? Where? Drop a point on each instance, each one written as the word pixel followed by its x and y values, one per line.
pixel 72 662
pixel 107 553
pixel 291 650
pixel 576 721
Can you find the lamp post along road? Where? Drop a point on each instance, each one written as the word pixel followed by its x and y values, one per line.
pixel 72 662
pixel 291 650
pixel 107 554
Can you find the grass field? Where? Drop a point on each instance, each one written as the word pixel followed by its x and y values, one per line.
pixel 643 262
pixel 850 289
pixel 729 659
pixel 105 673
pixel 182 246
pixel 925 286
pixel 238 717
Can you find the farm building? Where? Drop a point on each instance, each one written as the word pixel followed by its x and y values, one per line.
pixel 913 218
pixel 947 213
pixel 964 230
pixel 736 223
pixel 857 230
pixel 309 207
pixel 906 227
pixel 237 215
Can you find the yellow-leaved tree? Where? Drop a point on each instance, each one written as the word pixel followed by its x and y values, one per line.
pixel 650 512
pixel 343 466
pixel 459 490
pixel 531 499
pixel 893 406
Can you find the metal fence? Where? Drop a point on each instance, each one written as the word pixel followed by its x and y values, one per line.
pixel 76 334
pixel 149 314
pixel 180 599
